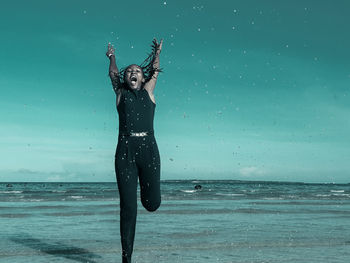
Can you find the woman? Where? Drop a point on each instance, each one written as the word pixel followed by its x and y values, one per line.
pixel 137 154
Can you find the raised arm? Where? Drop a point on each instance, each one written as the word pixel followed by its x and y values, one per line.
pixel 113 70
pixel 151 84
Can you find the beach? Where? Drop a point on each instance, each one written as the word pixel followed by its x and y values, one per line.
pixel 225 221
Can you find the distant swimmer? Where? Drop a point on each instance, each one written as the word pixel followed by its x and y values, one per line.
pixel 137 155
pixel 198 187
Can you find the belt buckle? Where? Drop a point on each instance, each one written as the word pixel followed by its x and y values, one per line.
pixel 138 134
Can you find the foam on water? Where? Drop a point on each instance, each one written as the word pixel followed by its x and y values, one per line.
pixel 337 191
pixel 188 191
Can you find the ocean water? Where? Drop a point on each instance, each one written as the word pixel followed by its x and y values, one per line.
pixel 225 221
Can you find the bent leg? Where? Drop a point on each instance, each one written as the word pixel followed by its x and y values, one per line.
pixel 149 165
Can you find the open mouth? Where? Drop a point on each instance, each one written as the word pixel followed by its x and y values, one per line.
pixel 133 79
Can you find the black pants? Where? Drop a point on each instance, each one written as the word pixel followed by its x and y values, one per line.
pixel 136 157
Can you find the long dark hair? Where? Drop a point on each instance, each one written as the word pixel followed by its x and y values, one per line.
pixel 146 66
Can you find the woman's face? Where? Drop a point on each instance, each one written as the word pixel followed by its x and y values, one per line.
pixel 133 76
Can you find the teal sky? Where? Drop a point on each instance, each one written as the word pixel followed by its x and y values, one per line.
pixel 251 90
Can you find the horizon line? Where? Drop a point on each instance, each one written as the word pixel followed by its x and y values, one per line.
pixel 182 180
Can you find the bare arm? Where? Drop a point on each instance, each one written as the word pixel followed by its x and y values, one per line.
pixel 113 69
pixel 151 84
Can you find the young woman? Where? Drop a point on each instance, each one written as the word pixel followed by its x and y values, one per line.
pixel 137 155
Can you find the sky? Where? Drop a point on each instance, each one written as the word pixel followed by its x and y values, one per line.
pixel 251 89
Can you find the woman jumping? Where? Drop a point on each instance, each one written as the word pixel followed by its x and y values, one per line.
pixel 137 155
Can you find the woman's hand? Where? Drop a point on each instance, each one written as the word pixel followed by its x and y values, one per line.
pixel 157 45
pixel 110 50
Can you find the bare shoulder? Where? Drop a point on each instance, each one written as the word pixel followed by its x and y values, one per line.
pixel 151 94
pixel 151 84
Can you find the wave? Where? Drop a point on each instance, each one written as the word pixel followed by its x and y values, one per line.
pixel 341 194
pixel 11 192
pixel 229 194
pixel 188 191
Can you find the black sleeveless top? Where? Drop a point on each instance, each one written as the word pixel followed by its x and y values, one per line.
pixel 136 111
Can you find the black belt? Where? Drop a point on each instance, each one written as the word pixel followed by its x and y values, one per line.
pixel 136 134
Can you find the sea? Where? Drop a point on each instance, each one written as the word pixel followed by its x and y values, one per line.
pixel 198 221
